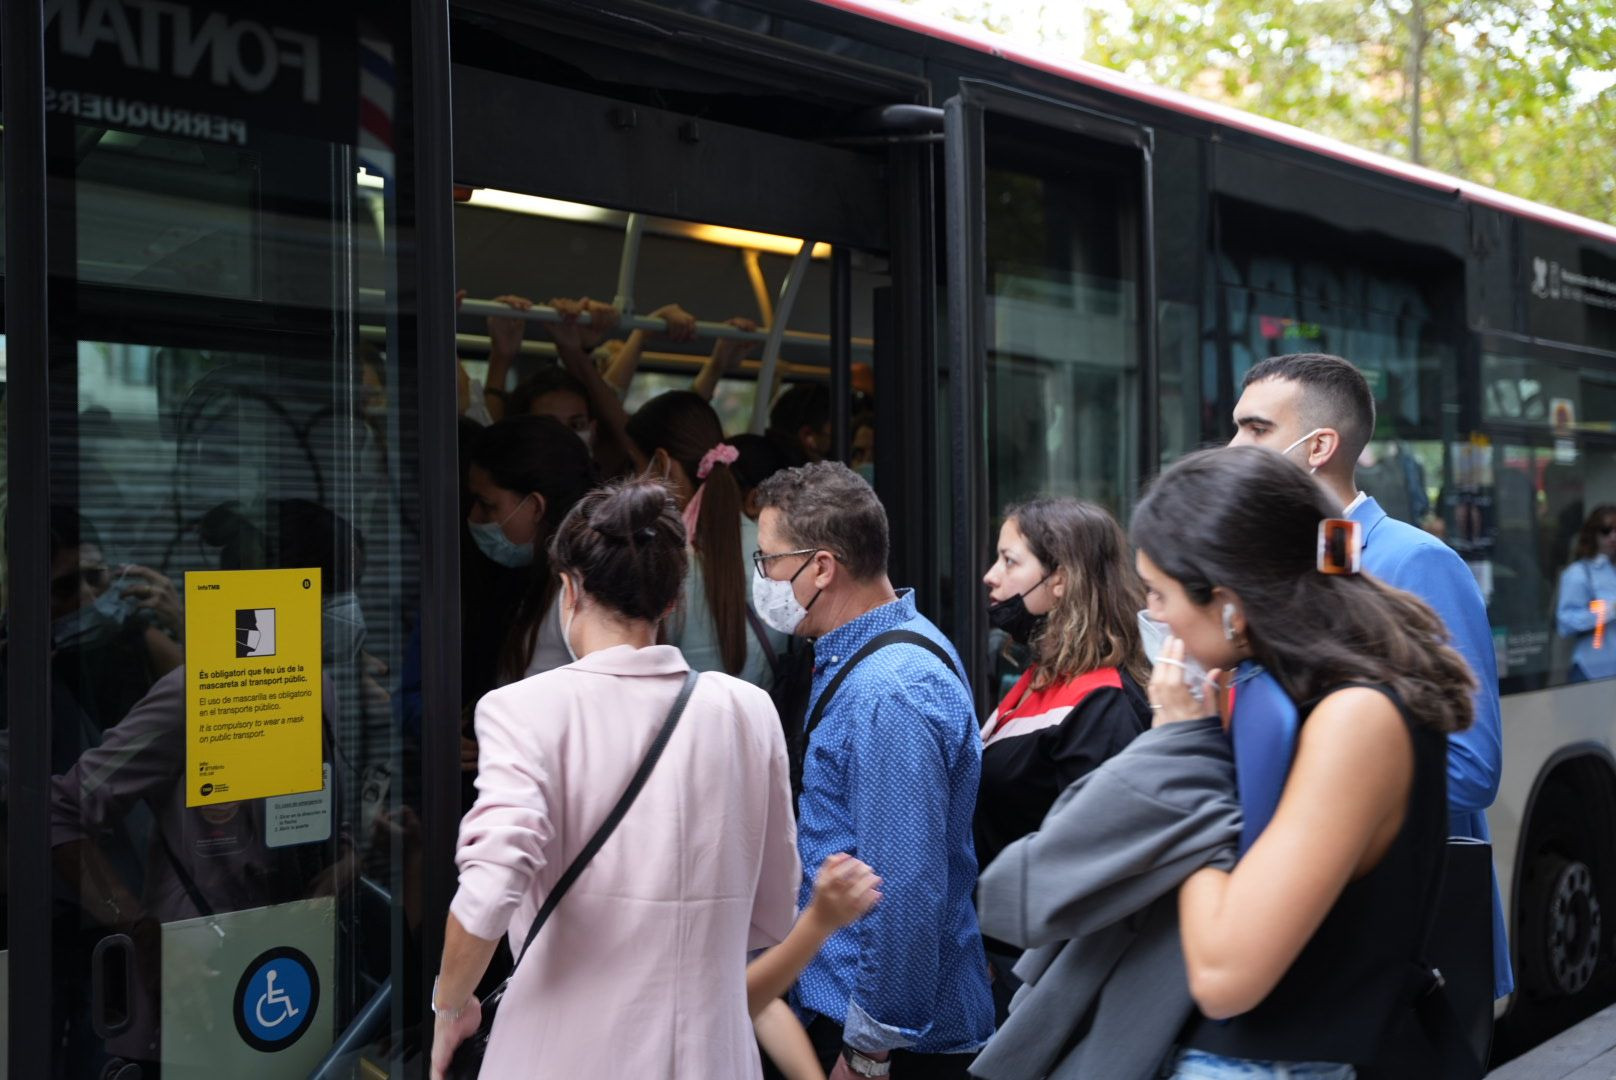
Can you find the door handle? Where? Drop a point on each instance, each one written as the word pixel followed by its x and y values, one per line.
pixel 112 985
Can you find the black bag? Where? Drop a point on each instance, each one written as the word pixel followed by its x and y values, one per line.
pixel 468 1057
pixel 1446 1034
pixel 792 677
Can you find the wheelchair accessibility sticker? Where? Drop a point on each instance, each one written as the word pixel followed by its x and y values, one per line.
pixel 277 996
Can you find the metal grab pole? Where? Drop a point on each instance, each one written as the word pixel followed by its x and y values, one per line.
pixel 540 313
pixel 624 300
pixel 777 333
pixel 710 330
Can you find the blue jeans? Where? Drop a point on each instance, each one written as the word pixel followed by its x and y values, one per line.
pixel 1199 1065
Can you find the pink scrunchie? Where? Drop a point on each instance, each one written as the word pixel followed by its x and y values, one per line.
pixel 723 453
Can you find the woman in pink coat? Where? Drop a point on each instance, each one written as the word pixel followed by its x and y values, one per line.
pixel 641 971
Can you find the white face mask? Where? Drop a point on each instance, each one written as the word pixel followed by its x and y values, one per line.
pixel 1153 634
pixel 776 603
pixel 1287 451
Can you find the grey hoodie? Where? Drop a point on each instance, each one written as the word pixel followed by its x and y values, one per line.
pixel 1093 896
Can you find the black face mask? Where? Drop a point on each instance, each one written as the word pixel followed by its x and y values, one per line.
pixel 1014 619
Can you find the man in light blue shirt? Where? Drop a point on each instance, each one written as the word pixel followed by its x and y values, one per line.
pixel 1590 580
pixel 1319 411
pixel 890 776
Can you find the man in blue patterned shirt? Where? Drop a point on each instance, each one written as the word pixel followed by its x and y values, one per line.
pixel 890 776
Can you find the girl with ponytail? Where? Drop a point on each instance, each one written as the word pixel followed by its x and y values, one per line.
pixel 681 436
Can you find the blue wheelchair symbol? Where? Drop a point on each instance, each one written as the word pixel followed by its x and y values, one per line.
pixel 276 999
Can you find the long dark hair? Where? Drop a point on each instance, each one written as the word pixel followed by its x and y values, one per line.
pixel 524 454
pixel 624 545
pixel 685 426
pixel 1246 519
pixel 1094 623
pixel 1587 545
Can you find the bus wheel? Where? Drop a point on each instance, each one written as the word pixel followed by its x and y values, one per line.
pixel 1562 927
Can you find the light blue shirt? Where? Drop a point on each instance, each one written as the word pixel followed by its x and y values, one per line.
pixel 1413 560
pixel 1583 582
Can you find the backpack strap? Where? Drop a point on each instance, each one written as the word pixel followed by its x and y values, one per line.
pixel 875 644
pixel 762 635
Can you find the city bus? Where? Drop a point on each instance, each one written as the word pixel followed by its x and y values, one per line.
pixel 234 237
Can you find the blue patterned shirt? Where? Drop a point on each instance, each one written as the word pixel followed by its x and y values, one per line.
pixel 891 777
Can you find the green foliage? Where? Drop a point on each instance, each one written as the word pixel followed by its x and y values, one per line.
pixel 1514 94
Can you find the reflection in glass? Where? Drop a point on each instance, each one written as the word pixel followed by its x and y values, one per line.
pixel 246 421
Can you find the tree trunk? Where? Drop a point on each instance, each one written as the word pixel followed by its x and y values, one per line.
pixel 1416 76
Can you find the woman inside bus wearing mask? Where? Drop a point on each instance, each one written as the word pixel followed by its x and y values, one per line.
pixel 683 440
pixel 1300 958
pixel 525 473
pixel 1064 587
pixel 1587 601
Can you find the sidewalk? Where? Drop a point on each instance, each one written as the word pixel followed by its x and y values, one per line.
pixel 1585 1052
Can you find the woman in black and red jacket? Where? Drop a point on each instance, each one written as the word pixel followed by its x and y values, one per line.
pixel 1064 585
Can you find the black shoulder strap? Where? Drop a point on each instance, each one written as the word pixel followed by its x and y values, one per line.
pixel 878 642
pixel 762 635
pixel 608 826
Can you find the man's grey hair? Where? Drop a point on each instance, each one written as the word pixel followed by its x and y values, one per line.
pixel 828 506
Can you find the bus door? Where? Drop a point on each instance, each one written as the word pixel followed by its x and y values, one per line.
pixel 232 794
pixel 1051 334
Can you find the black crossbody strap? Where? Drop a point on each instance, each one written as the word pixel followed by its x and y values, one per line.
pixel 878 642
pixel 608 826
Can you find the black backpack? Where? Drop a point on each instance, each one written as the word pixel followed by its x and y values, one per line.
pixel 793 672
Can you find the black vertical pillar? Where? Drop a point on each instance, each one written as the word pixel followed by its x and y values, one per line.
pixel 965 162
pixel 841 349
pixel 429 291
pixel 27 653
pixel 1149 319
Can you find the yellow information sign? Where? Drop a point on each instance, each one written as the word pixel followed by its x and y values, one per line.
pixel 252 684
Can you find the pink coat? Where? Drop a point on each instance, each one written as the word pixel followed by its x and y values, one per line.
pixel 641 970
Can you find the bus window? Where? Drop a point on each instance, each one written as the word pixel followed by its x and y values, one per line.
pixel 1063 343
pixel 1554 481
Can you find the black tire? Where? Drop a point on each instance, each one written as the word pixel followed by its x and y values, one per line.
pixel 1562 927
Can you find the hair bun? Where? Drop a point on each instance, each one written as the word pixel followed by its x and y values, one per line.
pixel 632 511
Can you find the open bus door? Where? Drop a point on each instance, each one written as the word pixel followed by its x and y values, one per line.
pixel 1051 300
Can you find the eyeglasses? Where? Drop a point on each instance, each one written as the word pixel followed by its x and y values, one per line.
pixel 66 586
pixel 761 561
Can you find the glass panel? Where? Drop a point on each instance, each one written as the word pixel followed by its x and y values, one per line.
pixel 1183 411
pixel 1562 398
pixel 1552 499
pixel 234 569
pixel 1063 340
pixel 1062 397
